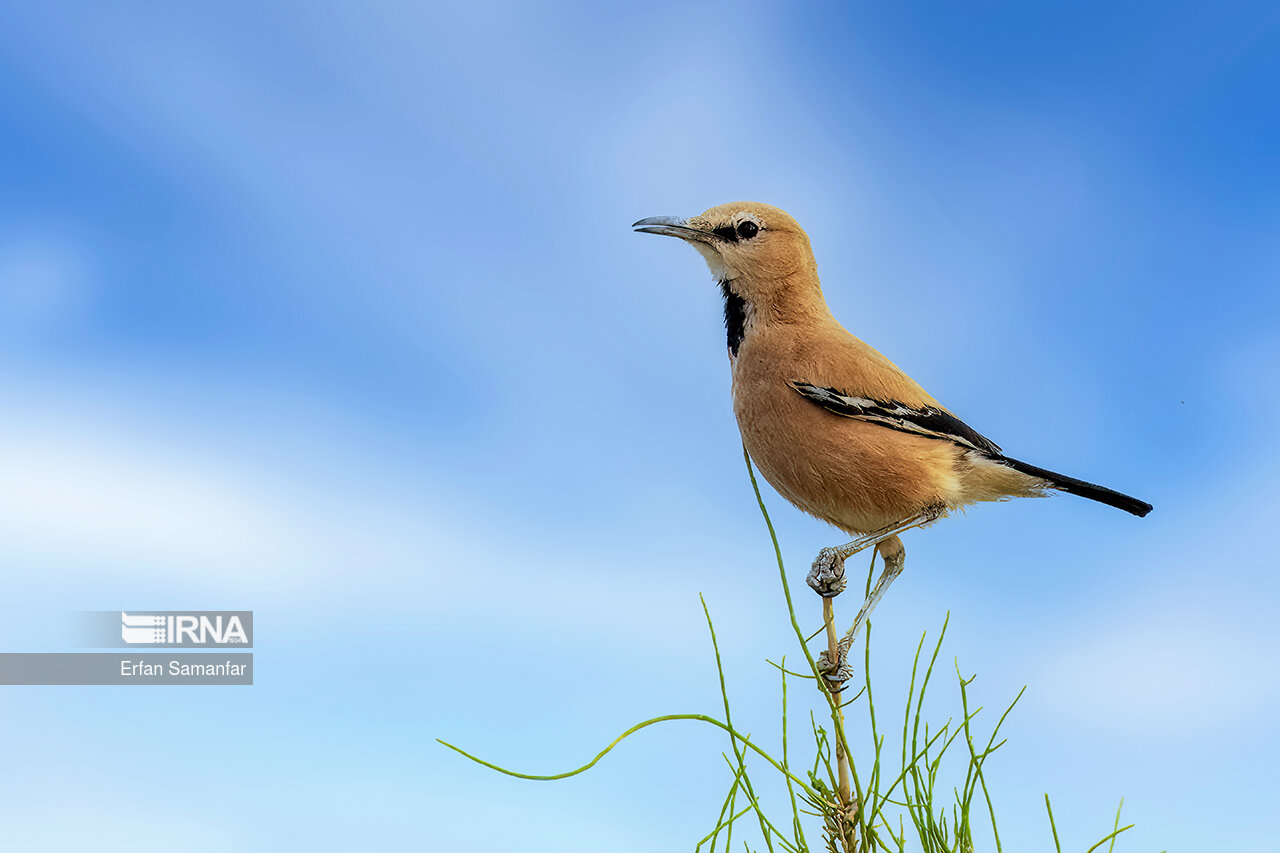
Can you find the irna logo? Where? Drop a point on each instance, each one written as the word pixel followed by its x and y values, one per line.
pixel 184 629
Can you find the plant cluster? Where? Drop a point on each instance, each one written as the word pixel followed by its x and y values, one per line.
pixel 887 806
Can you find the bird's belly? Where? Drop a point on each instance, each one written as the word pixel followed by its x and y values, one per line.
pixel 859 476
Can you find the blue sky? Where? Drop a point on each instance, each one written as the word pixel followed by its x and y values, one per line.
pixel 332 311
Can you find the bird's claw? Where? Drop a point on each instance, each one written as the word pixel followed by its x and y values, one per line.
pixel 826 578
pixel 837 675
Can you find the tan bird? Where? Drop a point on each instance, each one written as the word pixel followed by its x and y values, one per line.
pixel 838 429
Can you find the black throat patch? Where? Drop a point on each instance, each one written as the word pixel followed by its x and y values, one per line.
pixel 735 317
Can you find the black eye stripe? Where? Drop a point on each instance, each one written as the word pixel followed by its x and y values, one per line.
pixel 745 230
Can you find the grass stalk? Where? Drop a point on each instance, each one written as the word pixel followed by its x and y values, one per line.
pixel 854 818
pixel 837 713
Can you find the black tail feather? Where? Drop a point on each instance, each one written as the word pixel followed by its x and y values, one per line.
pixel 1072 486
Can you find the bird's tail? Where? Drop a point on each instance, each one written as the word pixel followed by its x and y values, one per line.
pixel 1071 485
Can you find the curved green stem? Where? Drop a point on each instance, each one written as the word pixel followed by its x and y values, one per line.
pixel 637 727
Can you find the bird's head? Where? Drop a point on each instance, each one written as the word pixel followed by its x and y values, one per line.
pixel 754 249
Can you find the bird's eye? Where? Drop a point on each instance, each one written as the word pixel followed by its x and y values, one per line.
pixel 747 230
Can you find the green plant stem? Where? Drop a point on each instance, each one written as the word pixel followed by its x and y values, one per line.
pixel 1057 845
pixel 786 762
pixel 842 742
pixel 702 718
pixel 728 719
pixel 837 715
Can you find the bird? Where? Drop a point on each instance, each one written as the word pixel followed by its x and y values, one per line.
pixel 833 425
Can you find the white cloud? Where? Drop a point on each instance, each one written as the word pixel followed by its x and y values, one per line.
pixel 1177 669
pixel 90 489
pixel 78 492
pixel 1184 640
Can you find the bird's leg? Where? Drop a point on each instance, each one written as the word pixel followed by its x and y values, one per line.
pixel 828 580
pixel 833 662
pixel 894 556
pixel 826 577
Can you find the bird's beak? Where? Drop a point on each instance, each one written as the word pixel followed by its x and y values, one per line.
pixel 673 226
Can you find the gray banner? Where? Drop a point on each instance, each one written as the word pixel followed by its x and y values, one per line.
pixel 126 668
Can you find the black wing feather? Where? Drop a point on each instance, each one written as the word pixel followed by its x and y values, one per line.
pixel 936 423
pixel 927 421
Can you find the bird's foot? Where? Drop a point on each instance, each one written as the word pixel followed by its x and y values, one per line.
pixel 826 578
pixel 836 675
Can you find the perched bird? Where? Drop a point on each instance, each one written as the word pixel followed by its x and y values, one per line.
pixel 838 429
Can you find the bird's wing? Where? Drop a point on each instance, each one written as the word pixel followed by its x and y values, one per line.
pixel 929 421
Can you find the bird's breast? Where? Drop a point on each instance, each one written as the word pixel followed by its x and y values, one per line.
pixel 856 475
